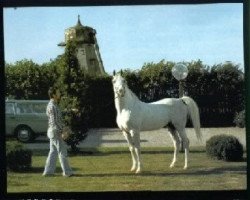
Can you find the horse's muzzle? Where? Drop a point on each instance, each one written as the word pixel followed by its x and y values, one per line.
pixel 120 92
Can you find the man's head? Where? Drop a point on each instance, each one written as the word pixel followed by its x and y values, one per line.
pixel 54 93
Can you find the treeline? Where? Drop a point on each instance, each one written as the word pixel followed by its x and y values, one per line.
pixel 218 90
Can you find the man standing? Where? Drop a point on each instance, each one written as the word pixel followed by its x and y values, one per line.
pixel 54 133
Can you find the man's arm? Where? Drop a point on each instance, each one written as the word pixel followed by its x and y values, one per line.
pixel 54 118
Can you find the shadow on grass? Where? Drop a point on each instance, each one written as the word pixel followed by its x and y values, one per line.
pixel 95 152
pixel 222 170
pixel 240 170
pixel 211 171
pixel 40 170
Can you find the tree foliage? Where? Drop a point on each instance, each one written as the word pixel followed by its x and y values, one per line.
pixel 27 80
pixel 218 89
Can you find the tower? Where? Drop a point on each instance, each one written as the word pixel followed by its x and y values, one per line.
pixel 87 49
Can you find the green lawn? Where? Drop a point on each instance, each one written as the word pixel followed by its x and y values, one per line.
pixel 107 169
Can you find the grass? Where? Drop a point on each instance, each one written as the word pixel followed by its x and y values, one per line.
pixel 107 169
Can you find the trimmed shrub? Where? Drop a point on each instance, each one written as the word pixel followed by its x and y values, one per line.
pixel 239 119
pixel 224 147
pixel 18 158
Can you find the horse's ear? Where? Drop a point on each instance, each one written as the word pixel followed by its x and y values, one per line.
pixel 114 73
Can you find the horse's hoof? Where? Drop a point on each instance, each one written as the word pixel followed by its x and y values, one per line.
pixel 138 171
pixel 133 169
pixel 185 167
pixel 171 166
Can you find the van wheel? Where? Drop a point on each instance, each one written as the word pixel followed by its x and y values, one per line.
pixel 24 134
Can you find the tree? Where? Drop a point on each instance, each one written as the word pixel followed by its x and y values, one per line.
pixel 74 83
pixel 25 80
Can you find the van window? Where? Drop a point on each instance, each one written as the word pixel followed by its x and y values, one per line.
pixel 39 107
pixel 24 108
pixel 9 108
pixel 28 108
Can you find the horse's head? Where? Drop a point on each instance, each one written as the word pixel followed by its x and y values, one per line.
pixel 119 85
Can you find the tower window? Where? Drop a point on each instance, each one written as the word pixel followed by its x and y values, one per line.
pixel 92 61
pixel 82 51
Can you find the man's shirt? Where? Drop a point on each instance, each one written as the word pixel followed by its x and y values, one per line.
pixel 54 115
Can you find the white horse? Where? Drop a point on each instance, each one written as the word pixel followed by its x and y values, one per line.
pixel 134 116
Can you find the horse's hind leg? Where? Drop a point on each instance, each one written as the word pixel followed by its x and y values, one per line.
pixel 132 149
pixel 185 140
pixel 176 142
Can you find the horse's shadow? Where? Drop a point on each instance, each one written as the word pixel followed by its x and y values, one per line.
pixel 210 171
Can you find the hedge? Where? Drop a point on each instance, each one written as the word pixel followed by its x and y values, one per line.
pixel 224 147
pixel 18 158
pixel 218 90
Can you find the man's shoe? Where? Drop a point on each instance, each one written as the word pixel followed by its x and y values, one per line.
pixel 68 175
pixel 46 175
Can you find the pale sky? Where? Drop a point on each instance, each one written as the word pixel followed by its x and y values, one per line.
pixel 129 36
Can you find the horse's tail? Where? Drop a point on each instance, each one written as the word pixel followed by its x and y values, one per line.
pixel 193 112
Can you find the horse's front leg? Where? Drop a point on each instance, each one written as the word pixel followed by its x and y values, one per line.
pixel 136 138
pixel 132 149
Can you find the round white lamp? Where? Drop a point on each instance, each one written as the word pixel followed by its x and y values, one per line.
pixel 180 72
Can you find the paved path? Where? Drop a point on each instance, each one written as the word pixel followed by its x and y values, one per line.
pixel 112 137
